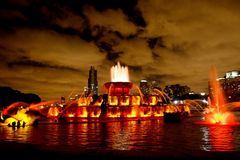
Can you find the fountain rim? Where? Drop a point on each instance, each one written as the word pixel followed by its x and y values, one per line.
pixel 115 84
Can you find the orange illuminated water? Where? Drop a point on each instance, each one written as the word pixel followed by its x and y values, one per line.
pixel 119 73
pixel 145 137
pixel 217 111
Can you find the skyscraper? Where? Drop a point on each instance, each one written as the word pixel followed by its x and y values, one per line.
pixel 144 87
pixel 92 82
pixel 230 85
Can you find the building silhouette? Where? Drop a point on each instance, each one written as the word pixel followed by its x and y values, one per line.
pixel 144 87
pixel 230 86
pixel 92 82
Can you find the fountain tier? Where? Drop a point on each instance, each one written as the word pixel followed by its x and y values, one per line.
pixel 118 88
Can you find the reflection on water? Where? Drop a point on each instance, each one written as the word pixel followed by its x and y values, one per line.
pixel 206 146
pixel 149 135
pixel 221 138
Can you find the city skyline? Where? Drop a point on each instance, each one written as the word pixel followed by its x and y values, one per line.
pixel 48 47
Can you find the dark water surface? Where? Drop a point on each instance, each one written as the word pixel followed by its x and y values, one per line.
pixel 145 136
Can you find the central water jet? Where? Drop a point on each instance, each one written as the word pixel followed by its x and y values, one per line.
pixel 120 84
pixel 217 113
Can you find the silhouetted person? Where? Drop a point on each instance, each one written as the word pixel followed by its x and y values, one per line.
pixel 103 110
pixel 35 123
pixel 14 124
pixel 104 107
pixel 18 124
pixel 24 123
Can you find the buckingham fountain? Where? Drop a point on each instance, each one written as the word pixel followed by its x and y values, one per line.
pixel 118 104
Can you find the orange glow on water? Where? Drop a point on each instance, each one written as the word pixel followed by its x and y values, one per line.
pixel 216 112
pixel 225 118
pixel 219 118
pixel 222 136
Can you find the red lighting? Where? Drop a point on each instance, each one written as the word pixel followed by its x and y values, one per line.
pixel 118 88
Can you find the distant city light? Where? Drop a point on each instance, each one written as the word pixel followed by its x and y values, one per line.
pixel 143 80
pixel 232 74
pixel 175 102
pixel 205 101
pixel 178 102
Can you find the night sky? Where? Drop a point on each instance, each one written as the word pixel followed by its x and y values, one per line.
pixel 47 47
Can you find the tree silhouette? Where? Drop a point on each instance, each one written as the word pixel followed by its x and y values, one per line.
pixel 9 96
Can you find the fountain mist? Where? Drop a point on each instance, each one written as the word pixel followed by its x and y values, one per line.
pixel 217 100
pixel 217 112
pixel 119 73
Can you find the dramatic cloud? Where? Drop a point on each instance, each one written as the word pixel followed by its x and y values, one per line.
pixel 52 48
pixel 47 48
pixel 134 52
pixel 114 20
pixel 195 35
pixel 48 58
pixel 70 20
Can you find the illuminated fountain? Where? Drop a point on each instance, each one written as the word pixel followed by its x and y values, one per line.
pixel 123 100
pixel 216 112
pixel 196 107
pixel 18 114
pixel 123 104
pixel 48 109
pixel 118 92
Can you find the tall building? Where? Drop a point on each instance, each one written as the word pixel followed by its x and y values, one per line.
pixel 144 87
pixel 92 82
pixel 230 84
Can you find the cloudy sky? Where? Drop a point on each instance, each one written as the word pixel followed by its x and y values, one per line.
pixel 47 47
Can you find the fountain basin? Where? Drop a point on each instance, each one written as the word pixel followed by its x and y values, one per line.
pixel 118 88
